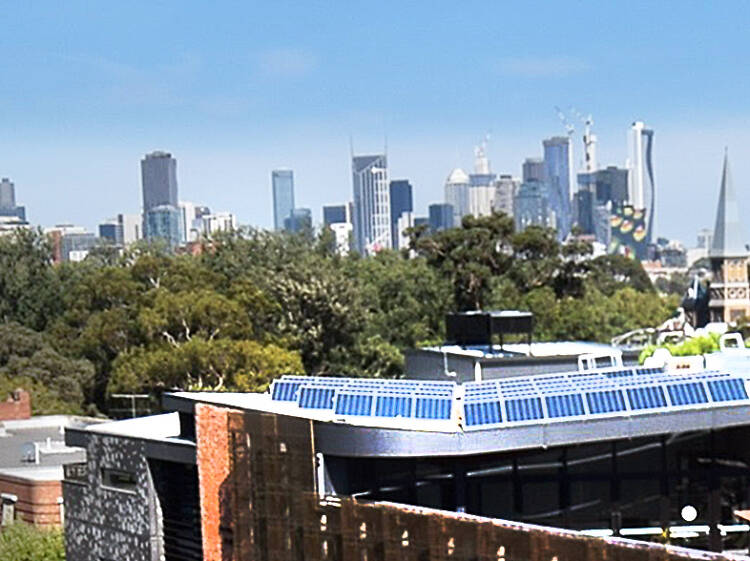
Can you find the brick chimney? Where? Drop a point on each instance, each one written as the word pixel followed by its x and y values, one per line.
pixel 16 407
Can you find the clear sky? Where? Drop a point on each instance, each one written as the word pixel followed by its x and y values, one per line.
pixel 236 89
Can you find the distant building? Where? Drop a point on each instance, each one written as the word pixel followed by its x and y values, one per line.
pixel 422 221
pixel 531 206
pixel 9 224
pixel 300 220
pixel 372 205
pixel 532 170
pixel 402 206
pixel 441 217
pixel 8 205
pixel 210 224
pixel 457 194
pixel 336 214
pixel 641 187
pixel 189 229
pixel 111 231
pixel 506 187
pixel 282 182
pixel 342 232
pixel 557 176
pixel 159 180
pixel 132 227
pixel 75 247
pixel 163 223
pixel 482 184
pixel 729 293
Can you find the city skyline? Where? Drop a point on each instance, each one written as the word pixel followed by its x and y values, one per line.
pixel 232 107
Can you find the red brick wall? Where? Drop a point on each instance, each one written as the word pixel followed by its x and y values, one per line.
pixel 37 500
pixel 213 469
pixel 16 407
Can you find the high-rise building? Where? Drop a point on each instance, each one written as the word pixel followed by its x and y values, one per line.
pixel 299 220
pixel 159 180
pixel 163 223
pixel 506 187
pixel 641 187
pixel 402 207
pixel 440 216
pixel 372 204
pixel 335 214
pixel 558 165
pixel 7 193
pixel 8 205
pixel 729 293
pixel 282 182
pixel 457 194
pixel 532 170
pixel 531 206
pixel 189 230
pixel 482 184
pixel 342 232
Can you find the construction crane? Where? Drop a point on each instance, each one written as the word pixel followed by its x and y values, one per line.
pixel 567 124
pixel 589 141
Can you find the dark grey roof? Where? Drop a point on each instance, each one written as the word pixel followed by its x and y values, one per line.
pixel 728 237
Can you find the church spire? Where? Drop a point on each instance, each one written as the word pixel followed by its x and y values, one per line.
pixel 728 239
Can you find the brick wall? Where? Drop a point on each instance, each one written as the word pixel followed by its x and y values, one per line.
pixel 16 407
pixel 37 500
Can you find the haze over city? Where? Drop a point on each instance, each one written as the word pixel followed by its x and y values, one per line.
pixel 234 91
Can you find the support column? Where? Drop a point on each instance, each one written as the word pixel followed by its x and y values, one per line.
pixel 664 504
pixel 564 488
pixel 459 486
pixel 517 490
pixel 715 542
pixel 614 494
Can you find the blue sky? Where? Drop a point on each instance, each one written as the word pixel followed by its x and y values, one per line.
pixel 234 89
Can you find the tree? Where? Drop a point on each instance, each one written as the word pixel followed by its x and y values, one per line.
pixel 24 542
pixel 29 288
pixel 611 272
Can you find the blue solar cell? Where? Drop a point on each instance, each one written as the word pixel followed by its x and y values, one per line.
pixel 484 413
pixel 727 390
pixel 316 398
pixel 524 409
pixel 353 404
pixel 607 401
pixel 433 408
pixel 567 405
pixel 646 397
pixel 393 406
pixel 690 393
pixel 619 373
pixel 285 391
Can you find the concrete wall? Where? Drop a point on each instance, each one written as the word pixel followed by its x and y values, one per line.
pixel 106 524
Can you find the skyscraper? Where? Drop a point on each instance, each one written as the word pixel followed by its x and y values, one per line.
pixel 282 181
pixel 641 187
pixel 159 180
pixel 482 183
pixel 506 188
pixel 335 214
pixel 558 164
pixel 457 194
pixel 163 223
pixel 440 216
pixel 401 204
pixel 531 206
pixel 299 220
pixel 372 204
pixel 7 193
pixel 532 170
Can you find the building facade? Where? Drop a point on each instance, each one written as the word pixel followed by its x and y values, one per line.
pixel 440 217
pixel 335 214
pixel 402 207
pixel 729 293
pixel 282 182
pixel 457 187
pixel 506 188
pixel 159 180
pixel 558 165
pixel 372 204
pixel 531 206
pixel 163 223
pixel 300 220
pixel 532 170
pixel 641 186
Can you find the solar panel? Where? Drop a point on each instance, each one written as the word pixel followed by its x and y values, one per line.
pixel 483 413
pixel 433 408
pixel 727 390
pixel 647 397
pixel 690 393
pixel 524 409
pixel 393 406
pixel 607 401
pixel 316 397
pixel 353 404
pixel 568 405
pixel 285 391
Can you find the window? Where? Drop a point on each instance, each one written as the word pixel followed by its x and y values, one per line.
pixel 118 480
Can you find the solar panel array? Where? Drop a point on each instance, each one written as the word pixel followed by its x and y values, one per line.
pixel 515 400
pixel 495 403
pixel 367 397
